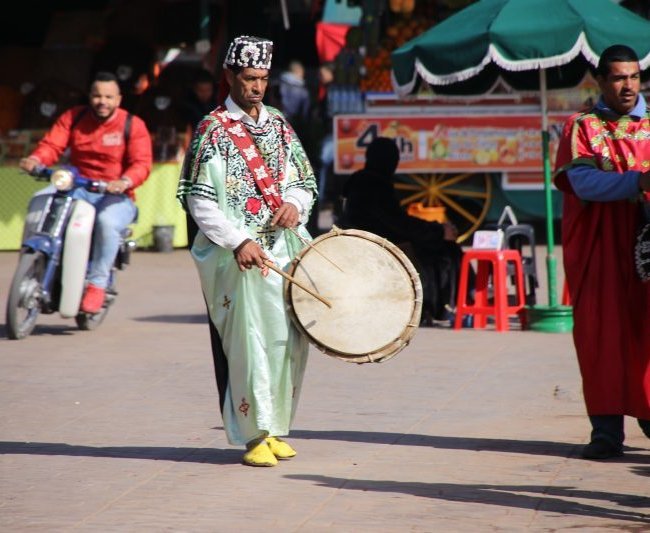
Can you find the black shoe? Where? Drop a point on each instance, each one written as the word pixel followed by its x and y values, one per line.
pixel 599 449
pixel 426 320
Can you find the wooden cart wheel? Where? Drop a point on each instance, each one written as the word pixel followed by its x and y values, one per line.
pixel 465 197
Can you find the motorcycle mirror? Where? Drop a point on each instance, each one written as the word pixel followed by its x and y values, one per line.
pixel 62 179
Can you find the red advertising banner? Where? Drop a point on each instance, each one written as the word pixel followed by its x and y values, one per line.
pixel 438 144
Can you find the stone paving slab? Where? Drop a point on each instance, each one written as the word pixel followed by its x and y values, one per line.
pixel 118 430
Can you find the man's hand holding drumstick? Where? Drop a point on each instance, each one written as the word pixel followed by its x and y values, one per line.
pixel 249 254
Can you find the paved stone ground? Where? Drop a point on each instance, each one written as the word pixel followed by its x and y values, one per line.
pixel 118 430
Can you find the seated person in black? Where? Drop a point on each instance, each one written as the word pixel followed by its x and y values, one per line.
pixel 371 205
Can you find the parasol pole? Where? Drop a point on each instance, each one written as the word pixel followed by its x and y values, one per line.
pixel 551 263
pixel 551 318
pixel 285 14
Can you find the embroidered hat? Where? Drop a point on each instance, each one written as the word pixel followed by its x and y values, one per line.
pixel 249 52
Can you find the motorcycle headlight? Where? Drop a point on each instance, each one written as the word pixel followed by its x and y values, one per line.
pixel 62 179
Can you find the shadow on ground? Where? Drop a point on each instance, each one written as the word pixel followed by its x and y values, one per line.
pixel 546 499
pixel 528 447
pixel 156 453
pixel 535 497
pixel 223 456
pixel 42 330
pixel 175 319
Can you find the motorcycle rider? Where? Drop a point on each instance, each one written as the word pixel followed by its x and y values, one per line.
pixel 105 143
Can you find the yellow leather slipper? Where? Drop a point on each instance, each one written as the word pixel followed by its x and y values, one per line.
pixel 260 455
pixel 280 449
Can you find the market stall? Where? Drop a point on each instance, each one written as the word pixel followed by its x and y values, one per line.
pixel 464 156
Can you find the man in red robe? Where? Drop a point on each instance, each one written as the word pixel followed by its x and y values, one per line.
pixel 603 168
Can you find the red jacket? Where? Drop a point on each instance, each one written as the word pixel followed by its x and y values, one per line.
pixel 97 148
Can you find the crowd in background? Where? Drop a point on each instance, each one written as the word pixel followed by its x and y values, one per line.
pixel 177 99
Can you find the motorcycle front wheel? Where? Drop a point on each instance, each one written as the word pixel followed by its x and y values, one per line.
pixel 88 322
pixel 24 300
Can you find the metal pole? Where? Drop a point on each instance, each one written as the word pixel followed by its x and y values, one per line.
pixel 551 263
pixel 204 20
pixel 285 14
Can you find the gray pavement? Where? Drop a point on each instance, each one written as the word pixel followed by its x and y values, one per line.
pixel 119 430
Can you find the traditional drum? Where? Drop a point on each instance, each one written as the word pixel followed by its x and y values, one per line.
pixel 642 252
pixel 373 289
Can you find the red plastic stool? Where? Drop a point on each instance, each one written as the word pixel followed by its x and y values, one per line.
pixel 493 262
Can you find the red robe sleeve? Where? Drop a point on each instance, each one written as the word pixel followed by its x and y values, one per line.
pixel 574 149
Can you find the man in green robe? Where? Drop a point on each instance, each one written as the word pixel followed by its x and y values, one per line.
pixel 249 186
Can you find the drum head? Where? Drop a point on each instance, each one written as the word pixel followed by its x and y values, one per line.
pixel 376 296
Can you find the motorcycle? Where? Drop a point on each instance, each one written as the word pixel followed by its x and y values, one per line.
pixel 55 255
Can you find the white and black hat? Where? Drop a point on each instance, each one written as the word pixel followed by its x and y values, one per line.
pixel 249 52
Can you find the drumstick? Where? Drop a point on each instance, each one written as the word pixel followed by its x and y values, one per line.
pixel 305 241
pixel 277 269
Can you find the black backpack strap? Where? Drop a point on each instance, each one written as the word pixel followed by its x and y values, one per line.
pixel 126 134
pixel 78 118
pixel 127 128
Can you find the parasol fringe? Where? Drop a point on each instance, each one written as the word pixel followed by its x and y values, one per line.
pixel 403 90
pixel 581 46
pixel 447 79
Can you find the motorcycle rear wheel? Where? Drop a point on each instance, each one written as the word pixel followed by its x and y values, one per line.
pixel 23 302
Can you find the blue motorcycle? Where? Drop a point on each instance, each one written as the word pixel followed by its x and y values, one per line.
pixel 55 255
